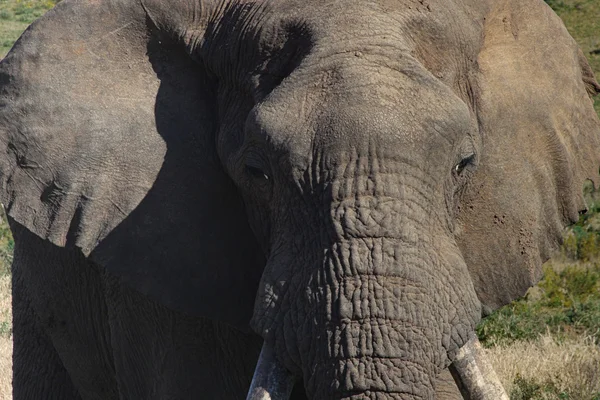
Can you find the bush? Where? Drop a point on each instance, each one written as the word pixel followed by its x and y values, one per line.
pixel 566 303
pixel 530 389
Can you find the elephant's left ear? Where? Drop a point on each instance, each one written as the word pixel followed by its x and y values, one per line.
pixel 107 130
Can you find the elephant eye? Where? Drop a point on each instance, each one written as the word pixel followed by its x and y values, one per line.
pixel 257 173
pixel 466 161
pixel 256 165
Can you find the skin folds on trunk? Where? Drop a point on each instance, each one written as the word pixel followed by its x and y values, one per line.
pixel 375 315
pixel 383 332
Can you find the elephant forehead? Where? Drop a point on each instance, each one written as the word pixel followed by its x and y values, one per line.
pixel 386 66
pixel 442 34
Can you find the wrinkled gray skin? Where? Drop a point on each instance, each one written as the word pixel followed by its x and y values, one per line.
pixel 354 182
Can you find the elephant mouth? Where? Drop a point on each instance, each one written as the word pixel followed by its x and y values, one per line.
pixel 475 376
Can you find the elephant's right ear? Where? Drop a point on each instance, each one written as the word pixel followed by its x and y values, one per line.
pixel 107 131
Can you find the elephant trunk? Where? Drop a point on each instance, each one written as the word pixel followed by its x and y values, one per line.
pixel 372 308
pixel 383 338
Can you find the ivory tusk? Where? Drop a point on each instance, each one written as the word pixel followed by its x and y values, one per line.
pixel 271 380
pixel 477 377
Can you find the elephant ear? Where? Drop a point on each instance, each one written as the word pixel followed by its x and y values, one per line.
pixel 107 129
pixel 540 142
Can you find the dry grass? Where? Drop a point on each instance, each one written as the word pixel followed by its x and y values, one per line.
pixel 6 368
pixel 561 370
pixel 9 31
pixel 5 339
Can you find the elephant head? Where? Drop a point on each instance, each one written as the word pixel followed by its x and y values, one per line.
pixel 357 181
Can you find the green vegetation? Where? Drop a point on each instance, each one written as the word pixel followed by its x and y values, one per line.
pixel 5 325
pixel 582 18
pixel 565 303
pixel 7 245
pixel 15 16
pixel 526 389
pixel 530 389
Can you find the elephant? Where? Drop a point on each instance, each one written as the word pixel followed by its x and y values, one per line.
pixel 304 199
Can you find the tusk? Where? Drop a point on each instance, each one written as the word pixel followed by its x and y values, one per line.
pixel 271 380
pixel 478 380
